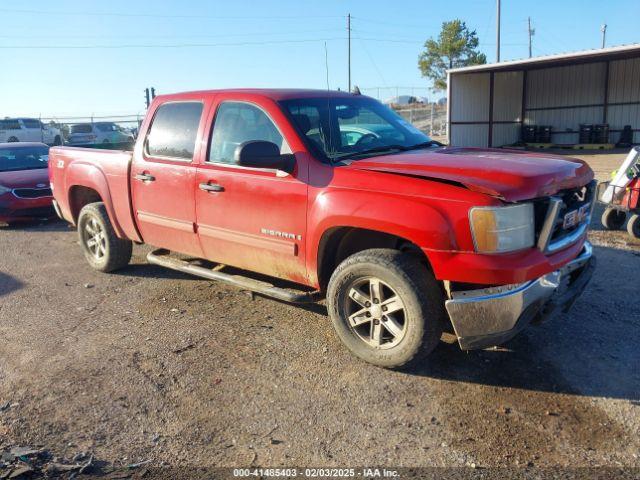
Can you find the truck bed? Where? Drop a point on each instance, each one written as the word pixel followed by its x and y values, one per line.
pixel 75 171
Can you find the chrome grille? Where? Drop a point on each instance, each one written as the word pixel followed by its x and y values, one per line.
pixel 554 234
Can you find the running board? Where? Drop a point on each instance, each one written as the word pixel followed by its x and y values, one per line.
pixel 161 257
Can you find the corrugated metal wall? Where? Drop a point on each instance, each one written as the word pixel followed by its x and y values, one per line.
pixel 471 94
pixel 562 97
pixel 470 135
pixel 624 87
pixel 579 87
pixel 507 97
pixel 565 86
pixel 469 103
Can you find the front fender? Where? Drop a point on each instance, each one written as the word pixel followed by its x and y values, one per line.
pixel 421 221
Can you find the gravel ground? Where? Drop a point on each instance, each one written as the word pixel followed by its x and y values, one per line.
pixel 152 365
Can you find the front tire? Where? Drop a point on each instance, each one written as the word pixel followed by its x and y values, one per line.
pixel 613 219
pixel 386 307
pixel 101 246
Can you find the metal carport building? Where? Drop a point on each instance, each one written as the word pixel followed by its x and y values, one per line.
pixel 489 104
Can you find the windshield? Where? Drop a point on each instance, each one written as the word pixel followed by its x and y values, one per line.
pixel 23 158
pixel 352 127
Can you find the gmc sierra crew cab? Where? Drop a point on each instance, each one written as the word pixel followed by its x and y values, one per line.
pixel 333 195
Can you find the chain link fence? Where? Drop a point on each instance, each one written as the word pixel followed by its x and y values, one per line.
pixel 418 105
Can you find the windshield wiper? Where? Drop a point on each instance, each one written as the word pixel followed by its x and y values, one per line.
pixel 430 143
pixel 387 148
pixel 381 149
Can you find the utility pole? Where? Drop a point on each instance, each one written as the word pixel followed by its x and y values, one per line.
pixel 433 104
pixel 532 32
pixel 498 31
pixel 146 97
pixel 349 51
pixel 603 29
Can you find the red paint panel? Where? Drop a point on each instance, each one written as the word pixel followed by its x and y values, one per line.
pixel 281 247
pixel 254 199
pixel 150 218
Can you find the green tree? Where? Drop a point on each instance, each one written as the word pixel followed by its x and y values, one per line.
pixel 456 46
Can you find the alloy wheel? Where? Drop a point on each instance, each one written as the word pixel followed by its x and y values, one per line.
pixel 95 238
pixel 376 313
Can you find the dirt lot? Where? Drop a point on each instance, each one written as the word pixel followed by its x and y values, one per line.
pixel 149 364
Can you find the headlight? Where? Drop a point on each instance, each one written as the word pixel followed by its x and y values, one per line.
pixel 502 229
pixel 4 190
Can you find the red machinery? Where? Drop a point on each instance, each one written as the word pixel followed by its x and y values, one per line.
pixel 623 199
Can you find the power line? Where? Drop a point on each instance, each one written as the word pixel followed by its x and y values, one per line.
pixel 375 66
pixel 156 15
pixel 222 35
pixel 401 25
pixel 175 45
pixel 196 45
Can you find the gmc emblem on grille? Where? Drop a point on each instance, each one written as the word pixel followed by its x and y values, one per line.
pixel 575 217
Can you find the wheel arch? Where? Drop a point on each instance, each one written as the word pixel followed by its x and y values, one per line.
pixel 81 195
pixel 339 242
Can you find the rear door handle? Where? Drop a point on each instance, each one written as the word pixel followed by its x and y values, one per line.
pixel 144 177
pixel 211 187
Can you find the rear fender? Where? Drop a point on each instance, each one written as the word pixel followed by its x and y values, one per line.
pixel 90 176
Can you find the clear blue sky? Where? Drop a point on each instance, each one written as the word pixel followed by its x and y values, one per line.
pixel 259 43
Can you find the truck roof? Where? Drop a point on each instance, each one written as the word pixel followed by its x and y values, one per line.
pixel 272 93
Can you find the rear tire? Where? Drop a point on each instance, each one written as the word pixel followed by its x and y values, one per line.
pixel 633 227
pixel 13 140
pixel 386 307
pixel 613 219
pixel 101 246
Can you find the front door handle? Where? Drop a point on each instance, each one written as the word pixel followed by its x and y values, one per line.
pixel 211 187
pixel 144 177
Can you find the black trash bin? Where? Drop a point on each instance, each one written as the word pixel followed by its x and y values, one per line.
pixel 601 133
pixel 543 134
pixel 586 133
pixel 528 133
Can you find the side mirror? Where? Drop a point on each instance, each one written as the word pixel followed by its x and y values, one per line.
pixel 261 154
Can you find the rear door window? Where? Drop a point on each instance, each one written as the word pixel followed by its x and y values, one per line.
pixel 174 130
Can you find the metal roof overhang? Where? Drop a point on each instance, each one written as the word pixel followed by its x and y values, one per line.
pixel 586 56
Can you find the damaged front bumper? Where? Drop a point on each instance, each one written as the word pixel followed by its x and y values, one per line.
pixel 488 317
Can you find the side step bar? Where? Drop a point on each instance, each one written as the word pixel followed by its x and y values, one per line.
pixel 161 257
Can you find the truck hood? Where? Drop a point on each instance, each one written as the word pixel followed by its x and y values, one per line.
pixel 25 178
pixel 507 174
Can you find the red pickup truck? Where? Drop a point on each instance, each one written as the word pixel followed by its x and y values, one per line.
pixel 336 194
